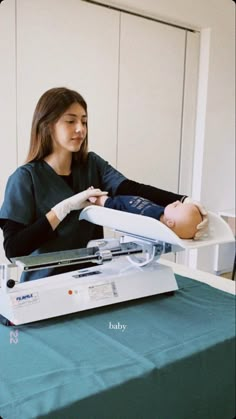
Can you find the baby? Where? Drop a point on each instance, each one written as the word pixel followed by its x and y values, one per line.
pixel 181 218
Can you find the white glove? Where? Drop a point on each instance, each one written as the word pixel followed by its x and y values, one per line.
pixel 75 202
pixel 202 228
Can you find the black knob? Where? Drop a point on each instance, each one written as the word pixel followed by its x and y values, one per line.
pixel 11 283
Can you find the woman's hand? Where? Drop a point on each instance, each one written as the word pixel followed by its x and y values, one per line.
pixel 76 202
pixel 202 228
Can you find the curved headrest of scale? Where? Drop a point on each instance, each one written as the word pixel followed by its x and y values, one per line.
pixel 148 228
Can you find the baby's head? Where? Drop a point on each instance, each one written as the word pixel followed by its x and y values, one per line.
pixel 183 219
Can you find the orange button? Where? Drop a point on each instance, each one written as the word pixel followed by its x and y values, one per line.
pixel 70 292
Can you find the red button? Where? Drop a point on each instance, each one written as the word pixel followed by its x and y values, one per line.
pixel 70 292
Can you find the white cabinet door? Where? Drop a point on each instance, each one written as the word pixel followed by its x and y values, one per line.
pixel 7 92
pixel 73 44
pixel 151 91
pixel 8 155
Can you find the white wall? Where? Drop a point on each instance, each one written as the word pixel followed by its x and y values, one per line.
pixel 215 133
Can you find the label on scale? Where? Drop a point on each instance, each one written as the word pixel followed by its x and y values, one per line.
pixel 25 299
pixel 101 291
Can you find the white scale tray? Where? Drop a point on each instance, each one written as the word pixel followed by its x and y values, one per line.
pixel 148 228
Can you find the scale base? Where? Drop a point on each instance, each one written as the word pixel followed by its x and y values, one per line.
pixel 84 290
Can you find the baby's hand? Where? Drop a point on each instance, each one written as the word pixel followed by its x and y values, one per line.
pixel 101 200
pixel 96 199
pixel 92 199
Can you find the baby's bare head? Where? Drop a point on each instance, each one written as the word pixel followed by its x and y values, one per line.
pixel 183 219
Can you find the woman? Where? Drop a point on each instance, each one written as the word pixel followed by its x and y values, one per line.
pixel 42 198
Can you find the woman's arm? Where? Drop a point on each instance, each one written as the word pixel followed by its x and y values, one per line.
pixel 22 240
pixel 117 184
pixel 158 196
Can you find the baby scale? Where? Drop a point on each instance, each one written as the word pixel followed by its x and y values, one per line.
pixel 124 268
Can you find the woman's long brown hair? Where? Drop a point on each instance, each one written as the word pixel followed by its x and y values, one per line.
pixel 52 104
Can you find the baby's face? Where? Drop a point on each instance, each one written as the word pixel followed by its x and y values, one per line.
pixel 186 217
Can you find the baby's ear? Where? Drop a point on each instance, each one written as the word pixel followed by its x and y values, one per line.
pixel 170 223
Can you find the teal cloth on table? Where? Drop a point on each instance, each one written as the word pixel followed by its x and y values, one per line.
pixel 174 360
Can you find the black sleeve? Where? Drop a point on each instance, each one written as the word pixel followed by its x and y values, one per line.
pixel 158 196
pixel 21 240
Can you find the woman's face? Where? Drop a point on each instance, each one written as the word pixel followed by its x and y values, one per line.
pixel 69 132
